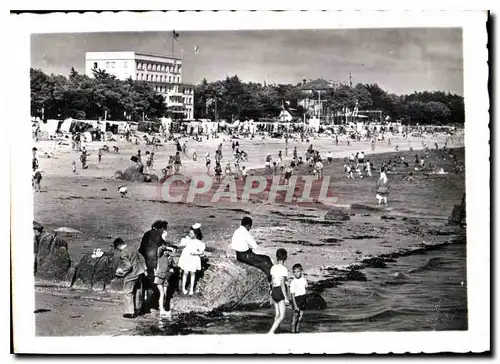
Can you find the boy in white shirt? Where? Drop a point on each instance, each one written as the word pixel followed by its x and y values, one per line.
pixel 279 294
pixel 298 294
pixel 329 157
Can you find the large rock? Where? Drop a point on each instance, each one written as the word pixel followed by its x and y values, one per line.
pixel 134 174
pixel 48 245
pixel 97 272
pixel 228 284
pixel 337 215
pixel 53 260
pixel 458 215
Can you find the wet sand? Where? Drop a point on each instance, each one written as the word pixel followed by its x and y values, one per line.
pixel 322 247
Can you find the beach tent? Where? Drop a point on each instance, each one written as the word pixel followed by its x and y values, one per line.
pixel 49 127
pixel 285 116
pixel 87 136
pixel 314 124
pixel 66 125
pixel 134 125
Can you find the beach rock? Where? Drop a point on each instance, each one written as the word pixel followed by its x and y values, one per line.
pixel 55 262
pixel 374 262
pixel 47 244
pixel 228 284
pixel 459 213
pixel 119 175
pixel 314 301
pixel 411 220
pixel 97 272
pixel 355 275
pixel 385 217
pixel 337 215
pixel 134 174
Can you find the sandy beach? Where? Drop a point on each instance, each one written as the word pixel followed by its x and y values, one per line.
pixel 322 247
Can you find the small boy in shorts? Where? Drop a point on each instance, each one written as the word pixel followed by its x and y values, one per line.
pixel 298 293
pixel 163 272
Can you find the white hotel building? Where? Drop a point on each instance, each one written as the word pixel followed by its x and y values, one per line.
pixel 163 73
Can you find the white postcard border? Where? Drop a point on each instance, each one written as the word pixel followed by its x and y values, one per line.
pixel 476 339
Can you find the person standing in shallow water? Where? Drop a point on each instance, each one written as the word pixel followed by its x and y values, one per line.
pixel 151 241
pixel 383 188
pixel 244 245
pixel 279 292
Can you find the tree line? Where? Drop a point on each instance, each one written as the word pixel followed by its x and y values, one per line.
pixel 232 99
pixel 82 97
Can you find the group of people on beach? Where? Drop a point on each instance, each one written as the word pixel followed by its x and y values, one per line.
pixel 152 267
pixel 282 290
pixel 151 271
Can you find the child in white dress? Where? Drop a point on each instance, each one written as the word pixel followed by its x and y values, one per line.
pixel 190 261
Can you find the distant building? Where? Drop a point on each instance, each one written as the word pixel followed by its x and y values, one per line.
pixel 288 115
pixel 163 73
pixel 311 102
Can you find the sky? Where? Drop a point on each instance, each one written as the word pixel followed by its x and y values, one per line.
pixel 400 60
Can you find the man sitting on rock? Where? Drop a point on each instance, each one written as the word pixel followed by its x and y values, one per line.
pixel 244 245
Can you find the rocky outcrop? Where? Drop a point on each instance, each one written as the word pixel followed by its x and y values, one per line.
pixel 134 174
pixel 53 261
pixel 337 215
pixel 459 213
pixel 96 271
pixel 224 285
pixel 228 284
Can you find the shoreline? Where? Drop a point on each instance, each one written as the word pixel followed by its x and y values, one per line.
pixel 107 320
pixel 276 225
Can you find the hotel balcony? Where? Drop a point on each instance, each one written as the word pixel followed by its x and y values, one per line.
pixel 175 104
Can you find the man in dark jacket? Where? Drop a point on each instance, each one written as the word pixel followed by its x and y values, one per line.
pixel 132 268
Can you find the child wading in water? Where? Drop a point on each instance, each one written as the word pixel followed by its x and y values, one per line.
pixel 298 294
pixel 163 272
pixel 278 290
pixel 190 261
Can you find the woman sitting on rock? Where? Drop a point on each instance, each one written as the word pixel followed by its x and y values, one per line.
pixel 190 259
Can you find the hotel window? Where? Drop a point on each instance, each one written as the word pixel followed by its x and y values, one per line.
pixel 147 77
pixel 138 65
pixel 107 65
pixel 95 65
pixel 125 64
